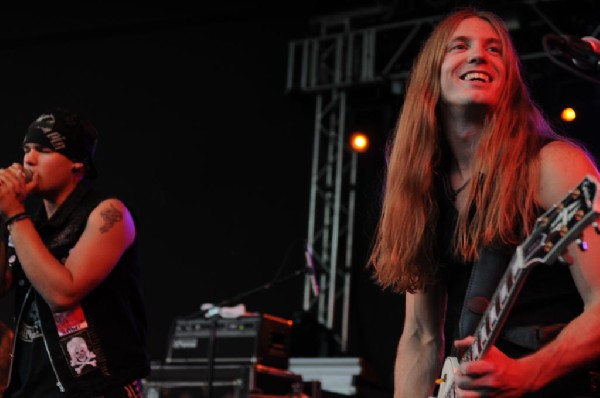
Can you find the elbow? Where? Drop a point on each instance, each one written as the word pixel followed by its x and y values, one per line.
pixel 62 303
pixel 421 340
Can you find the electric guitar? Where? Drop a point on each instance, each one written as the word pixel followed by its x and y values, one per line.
pixel 552 232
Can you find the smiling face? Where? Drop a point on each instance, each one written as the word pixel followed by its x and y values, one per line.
pixel 473 69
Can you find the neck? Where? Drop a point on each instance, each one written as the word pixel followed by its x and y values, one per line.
pixel 52 201
pixel 462 126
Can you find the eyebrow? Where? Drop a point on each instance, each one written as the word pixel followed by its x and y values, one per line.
pixel 489 40
pixel 36 146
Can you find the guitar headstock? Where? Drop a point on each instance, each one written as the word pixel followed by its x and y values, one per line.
pixel 563 223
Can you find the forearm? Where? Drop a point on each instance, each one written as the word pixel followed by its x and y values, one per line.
pixel 416 368
pixel 575 348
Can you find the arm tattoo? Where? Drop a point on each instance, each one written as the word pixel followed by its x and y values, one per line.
pixel 110 215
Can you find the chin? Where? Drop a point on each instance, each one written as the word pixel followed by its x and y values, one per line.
pixel 482 100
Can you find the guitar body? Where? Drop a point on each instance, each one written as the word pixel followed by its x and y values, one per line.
pixel 446 387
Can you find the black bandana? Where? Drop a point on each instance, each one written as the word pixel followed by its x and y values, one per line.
pixel 66 133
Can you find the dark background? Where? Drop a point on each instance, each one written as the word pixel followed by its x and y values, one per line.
pixel 200 137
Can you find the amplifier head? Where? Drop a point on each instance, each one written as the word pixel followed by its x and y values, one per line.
pixel 258 339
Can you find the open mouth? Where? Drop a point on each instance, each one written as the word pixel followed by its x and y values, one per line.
pixel 477 77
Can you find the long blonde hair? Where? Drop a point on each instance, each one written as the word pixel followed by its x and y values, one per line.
pixel 506 163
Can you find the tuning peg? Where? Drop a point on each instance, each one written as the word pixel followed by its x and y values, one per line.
pixel 596 227
pixel 583 246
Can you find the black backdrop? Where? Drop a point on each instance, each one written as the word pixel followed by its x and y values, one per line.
pixel 199 137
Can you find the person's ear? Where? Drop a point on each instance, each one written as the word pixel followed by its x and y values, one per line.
pixel 76 167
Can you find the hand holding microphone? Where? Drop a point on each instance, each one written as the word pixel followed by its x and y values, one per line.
pixel 13 189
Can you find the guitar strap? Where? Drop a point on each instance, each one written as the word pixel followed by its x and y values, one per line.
pixel 485 276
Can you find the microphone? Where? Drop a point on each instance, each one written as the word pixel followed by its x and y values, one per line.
pixel 311 269
pixel 593 42
pixel 28 175
pixel 584 52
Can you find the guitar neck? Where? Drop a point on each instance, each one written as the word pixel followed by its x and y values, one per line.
pixel 498 308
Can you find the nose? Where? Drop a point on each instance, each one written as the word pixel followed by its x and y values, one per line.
pixel 477 55
pixel 30 156
pixel 477 59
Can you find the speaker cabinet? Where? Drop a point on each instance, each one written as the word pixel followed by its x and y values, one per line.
pixel 226 381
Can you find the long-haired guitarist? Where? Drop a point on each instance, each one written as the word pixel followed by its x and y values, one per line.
pixel 471 166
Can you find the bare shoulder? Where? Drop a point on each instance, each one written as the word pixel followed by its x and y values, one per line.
pixel 563 165
pixel 558 150
pixel 111 213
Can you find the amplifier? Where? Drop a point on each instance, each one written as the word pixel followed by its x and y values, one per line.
pixel 255 339
pixel 228 381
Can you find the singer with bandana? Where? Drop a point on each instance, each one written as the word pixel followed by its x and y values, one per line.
pixel 73 258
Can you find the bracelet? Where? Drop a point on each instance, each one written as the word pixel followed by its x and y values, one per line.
pixel 15 218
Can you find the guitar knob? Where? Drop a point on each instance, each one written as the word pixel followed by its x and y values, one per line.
pixel 596 227
pixel 583 246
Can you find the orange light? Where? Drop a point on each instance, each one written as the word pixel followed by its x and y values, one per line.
pixel 359 142
pixel 568 114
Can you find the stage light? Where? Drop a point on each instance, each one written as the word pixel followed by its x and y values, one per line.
pixel 568 114
pixel 359 142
